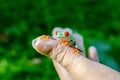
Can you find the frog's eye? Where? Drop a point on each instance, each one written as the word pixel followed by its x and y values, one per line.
pixel 66 33
pixel 56 32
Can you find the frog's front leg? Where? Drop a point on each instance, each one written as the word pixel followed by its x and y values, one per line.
pixel 64 42
pixel 68 41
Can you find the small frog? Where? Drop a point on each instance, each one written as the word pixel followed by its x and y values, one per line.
pixel 67 39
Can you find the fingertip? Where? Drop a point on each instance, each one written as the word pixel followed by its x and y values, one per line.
pixel 93 55
pixel 92 50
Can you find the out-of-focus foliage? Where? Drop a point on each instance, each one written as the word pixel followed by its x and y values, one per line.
pixel 23 20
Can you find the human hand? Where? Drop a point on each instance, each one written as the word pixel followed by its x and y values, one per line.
pixel 71 66
pixel 92 53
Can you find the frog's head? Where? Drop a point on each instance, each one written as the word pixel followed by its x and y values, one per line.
pixel 62 33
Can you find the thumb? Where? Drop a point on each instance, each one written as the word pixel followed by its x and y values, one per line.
pixel 79 67
pixel 47 46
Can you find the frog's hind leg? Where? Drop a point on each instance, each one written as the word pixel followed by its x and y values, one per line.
pixel 75 50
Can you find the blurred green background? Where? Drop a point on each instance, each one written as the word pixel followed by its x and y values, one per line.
pixel 23 20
